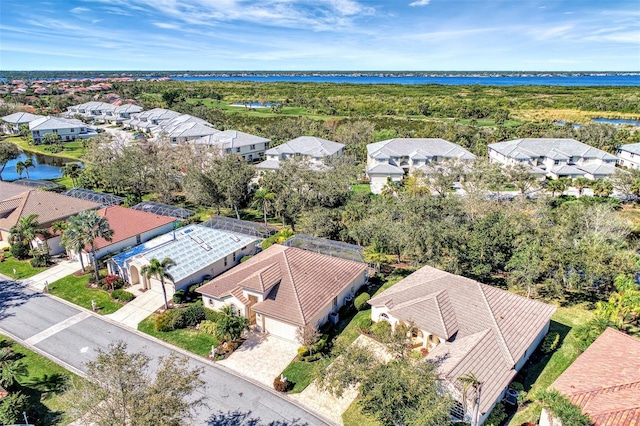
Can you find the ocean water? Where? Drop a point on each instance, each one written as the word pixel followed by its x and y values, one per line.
pixel 460 80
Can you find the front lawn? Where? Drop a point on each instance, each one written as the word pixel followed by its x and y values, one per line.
pixel 74 289
pixel 71 150
pixel 22 267
pixel 43 385
pixel 185 338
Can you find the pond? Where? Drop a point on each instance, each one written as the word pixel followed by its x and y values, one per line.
pixel 46 167
pixel 616 121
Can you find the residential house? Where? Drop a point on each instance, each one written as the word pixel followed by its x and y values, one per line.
pixel 199 252
pixel 69 129
pixel 90 110
pixel 183 128
pixel 604 381
pixel 315 151
pixel 392 159
pixel 16 201
pixel 130 228
pixel 629 155
pixel 250 147
pixel 556 157
pixel 10 124
pixel 466 327
pixel 146 120
pixel 284 288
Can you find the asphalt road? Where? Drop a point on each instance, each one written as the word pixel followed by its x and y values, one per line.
pixel 71 335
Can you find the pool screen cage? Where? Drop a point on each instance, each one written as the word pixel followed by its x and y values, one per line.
pixel 45 185
pixel 325 246
pixel 97 197
pixel 244 227
pixel 164 210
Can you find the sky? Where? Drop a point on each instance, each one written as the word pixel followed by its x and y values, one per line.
pixel 343 35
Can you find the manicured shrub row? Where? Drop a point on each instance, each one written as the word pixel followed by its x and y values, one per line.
pixel 361 302
pixel 122 295
pixel 179 318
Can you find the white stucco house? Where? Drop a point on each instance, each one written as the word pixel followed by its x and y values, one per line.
pixel 69 129
pixel 10 124
pixel 146 120
pixel 284 288
pixel 199 252
pixel 250 147
pixel 183 128
pixel 557 157
pixel 629 155
pixel 314 151
pixel 392 159
pixel 90 110
pixel 120 113
pixel 466 327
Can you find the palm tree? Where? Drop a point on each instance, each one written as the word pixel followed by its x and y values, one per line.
pixel 375 253
pixel 26 229
pixel 602 188
pixel 72 171
pixel 23 166
pixel 262 199
pixel 230 326
pixel 158 270
pixel 10 368
pixel 92 226
pixel 580 184
pixel 469 381
pixel 73 240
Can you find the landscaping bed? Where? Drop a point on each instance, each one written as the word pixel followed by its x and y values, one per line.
pixel 77 290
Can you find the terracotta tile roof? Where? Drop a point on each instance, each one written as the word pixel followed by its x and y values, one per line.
pixel 605 380
pixel 127 223
pixel 49 206
pixel 493 328
pixel 301 282
pixel 10 190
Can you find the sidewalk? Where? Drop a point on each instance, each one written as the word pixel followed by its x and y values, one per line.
pixel 138 309
pixel 61 270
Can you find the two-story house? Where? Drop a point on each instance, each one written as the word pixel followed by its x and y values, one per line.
pixel 629 155
pixel 11 123
pixel 146 120
pixel 250 147
pixel 69 129
pixel 314 151
pixel 183 128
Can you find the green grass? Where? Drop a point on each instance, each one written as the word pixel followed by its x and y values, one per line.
pixel 74 289
pixel 353 416
pixel 43 385
pixel 361 187
pixel 300 373
pixel 71 150
pixel 188 339
pixel 542 374
pixel 261 112
pixel 22 267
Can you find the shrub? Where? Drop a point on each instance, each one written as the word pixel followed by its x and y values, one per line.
pixel 193 315
pixel 313 357
pixel 361 302
pixel 178 296
pixel 497 416
pixel 281 386
pixel 550 342
pixel 562 409
pixel 322 344
pixel 39 261
pixel 20 250
pixel 208 327
pixel 113 282
pixel 192 290
pixel 517 386
pixel 164 322
pixel 381 330
pixel 121 295
pixel 245 258
pixel 303 351
pixel 211 315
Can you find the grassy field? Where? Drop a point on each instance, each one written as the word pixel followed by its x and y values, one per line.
pixel 262 111
pixel 74 289
pixel 22 267
pixel 72 150
pixel 188 339
pixel 43 386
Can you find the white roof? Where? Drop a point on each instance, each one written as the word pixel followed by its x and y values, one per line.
pixel 418 148
pixel 20 117
pixel 633 148
pixel 556 148
pixel 230 139
pixel 308 146
pixel 385 169
pixel 50 123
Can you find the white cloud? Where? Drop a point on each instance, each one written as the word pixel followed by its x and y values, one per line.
pixel 420 3
pixel 80 10
pixel 166 25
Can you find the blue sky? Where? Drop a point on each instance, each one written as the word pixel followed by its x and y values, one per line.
pixel 554 35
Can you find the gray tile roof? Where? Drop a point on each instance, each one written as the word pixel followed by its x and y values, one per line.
pixel 633 148
pixel 549 147
pixel 51 123
pixel 20 118
pixel 385 169
pixel 598 169
pixel 308 146
pixel 231 139
pixel 494 327
pixel 417 148
pixel 268 165
pixel 566 169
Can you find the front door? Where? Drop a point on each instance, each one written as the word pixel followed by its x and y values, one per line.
pixel 252 315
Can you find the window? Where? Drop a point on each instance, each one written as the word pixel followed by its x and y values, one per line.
pixel 556 162
pixel 228 150
pixel 234 256
pixel 73 130
pixel 211 302
pixel 225 261
pixel 243 248
pixel 138 240
pixel 252 147
pixel 238 150
pixel 335 301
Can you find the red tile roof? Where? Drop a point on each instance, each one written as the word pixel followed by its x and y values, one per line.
pixel 127 223
pixel 605 380
pixel 299 283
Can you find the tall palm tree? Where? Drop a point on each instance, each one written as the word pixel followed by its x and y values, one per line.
pixel 73 240
pixel 72 171
pixel 375 253
pixel 23 166
pixel 262 199
pixel 92 226
pixel 471 381
pixel 26 229
pixel 158 270
pixel 580 183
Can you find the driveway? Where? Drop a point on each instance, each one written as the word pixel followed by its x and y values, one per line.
pixel 138 309
pixel 60 270
pixel 262 357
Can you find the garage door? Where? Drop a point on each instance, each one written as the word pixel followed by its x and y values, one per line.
pixel 280 329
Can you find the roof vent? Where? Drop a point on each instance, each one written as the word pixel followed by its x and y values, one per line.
pixel 234 238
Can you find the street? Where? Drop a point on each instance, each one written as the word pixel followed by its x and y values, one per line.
pixel 71 336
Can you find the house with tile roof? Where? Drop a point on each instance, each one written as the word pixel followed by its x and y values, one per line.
pixel 10 124
pixel 284 288
pixel 392 159
pixel 604 381
pixel 69 129
pixel 466 327
pixel 183 128
pixel 199 252
pixel 556 157
pixel 18 201
pixel 629 155
pixel 314 151
pixel 93 110
pixel 130 228
pixel 146 120
pixel 250 147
